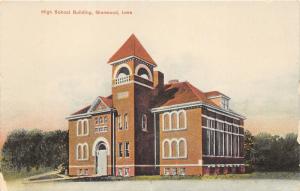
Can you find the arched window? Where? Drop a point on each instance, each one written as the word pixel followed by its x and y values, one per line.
pixel 79 127
pixel 79 152
pixel 182 148
pixel 166 149
pixel 144 122
pixel 143 73
pixel 174 120
pixel 166 121
pixel 174 149
pixel 85 127
pixel 85 152
pixel 123 72
pixel 182 119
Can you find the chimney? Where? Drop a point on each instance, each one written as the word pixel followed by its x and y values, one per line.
pixel 158 82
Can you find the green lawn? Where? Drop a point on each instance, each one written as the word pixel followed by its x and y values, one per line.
pixel 14 175
pixel 254 175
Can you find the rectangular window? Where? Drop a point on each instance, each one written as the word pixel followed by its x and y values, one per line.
pixel 126 172
pixel 96 120
pixel 174 171
pixel 120 150
pixel 120 171
pixel 126 121
pixel 119 122
pixel 166 171
pixel 100 120
pixel 86 172
pixel 126 149
pixel 212 143
pixel 225 143
pixel 105 119
pixel 181 171
pixel 206 142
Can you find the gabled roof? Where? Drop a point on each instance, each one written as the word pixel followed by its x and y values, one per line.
pixel 132 47
pixel 179 93
pixel 106 100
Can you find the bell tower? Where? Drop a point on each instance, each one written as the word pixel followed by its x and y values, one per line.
pixel 132 90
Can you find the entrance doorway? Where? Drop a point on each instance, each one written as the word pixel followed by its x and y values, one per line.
pixel 101 159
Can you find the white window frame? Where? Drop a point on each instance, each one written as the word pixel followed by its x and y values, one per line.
pixel 81 122
pixel 81 145
pixel 176 113
pixel 126 149
pixel 176 140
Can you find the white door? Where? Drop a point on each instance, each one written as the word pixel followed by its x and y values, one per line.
pixel 101 162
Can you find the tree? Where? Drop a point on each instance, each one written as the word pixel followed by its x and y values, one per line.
pixel 35 149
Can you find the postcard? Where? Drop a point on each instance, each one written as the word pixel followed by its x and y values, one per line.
pixel 149 96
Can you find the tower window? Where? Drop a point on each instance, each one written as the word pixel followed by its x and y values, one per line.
pixel 125 121
pixel 143 73
pixel 123 72
pixel 144 122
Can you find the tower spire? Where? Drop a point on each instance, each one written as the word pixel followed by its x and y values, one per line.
pixel 132 47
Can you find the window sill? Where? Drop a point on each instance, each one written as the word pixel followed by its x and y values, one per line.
pixel 183 129
pixel 175 158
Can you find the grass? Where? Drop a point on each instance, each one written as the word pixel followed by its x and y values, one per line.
pixel 254 175
pixel 23 173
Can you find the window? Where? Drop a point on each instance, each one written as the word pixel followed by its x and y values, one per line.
pixel 80 172
pixel 79 127
pixel 144 122
pixel 166 149
pixel 206 141
pixel 119 122
pixel 182 119
pixel 126 172
pixel 82 151
pixel 86 172
pixel 96 121
pixel 79 152
pixel 212 143
pixel 125 121
pixel 120 171
pixel 105 119
pixel 174 121
pixel 174 171
pixel 166 171
pixel 166 121
pixel 225 104
pixel 126 149
pixel 182 148
pixel 181 171
pixel 85 128
pixel 142 72
pixel 120 150
pixel 174 150
pixel 85 152
pixel 82 127
pixel 100 120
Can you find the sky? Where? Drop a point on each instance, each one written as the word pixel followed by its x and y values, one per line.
pixel 52 65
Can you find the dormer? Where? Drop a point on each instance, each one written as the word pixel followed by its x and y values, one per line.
pixel 219 99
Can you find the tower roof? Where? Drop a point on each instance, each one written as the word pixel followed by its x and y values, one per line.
pixel 132 47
